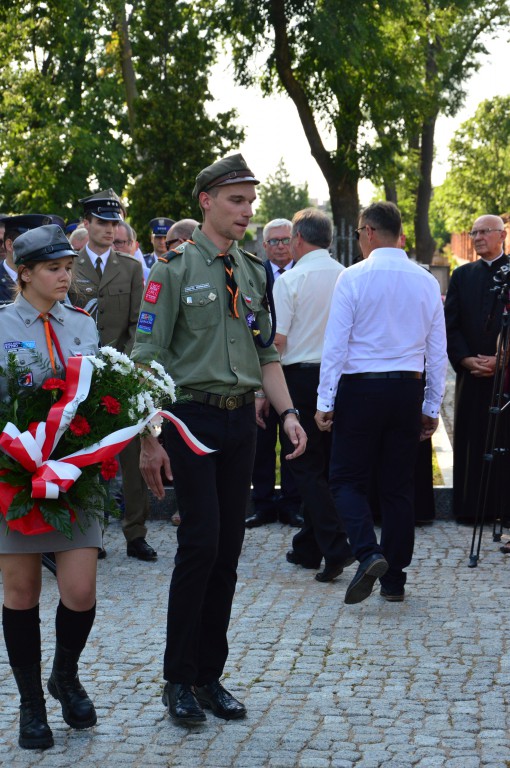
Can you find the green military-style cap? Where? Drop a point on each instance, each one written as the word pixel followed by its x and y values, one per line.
pixel 230 170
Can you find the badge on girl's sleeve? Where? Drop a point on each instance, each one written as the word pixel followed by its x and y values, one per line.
pixel 146 322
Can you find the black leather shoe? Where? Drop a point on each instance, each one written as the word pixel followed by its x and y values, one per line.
pixel 260 518
pixel 101 553
pixel 293 558
pixel 332 570
pixel 215 697
pixel 140 549
pixel 182 704
pixel 371 569
pixel 393 596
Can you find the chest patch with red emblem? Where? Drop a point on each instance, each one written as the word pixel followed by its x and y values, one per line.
pixel 152 292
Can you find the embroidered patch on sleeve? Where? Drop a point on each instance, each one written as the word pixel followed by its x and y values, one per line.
pixel 146 322
pixel 26 379
pixel 152 292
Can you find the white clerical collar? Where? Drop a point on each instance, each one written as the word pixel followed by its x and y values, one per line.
pixel 490 262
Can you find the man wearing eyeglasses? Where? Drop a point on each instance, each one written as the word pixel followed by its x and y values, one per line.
pixel 473 321
pixel 268 505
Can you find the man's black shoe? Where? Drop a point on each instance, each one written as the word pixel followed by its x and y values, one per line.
pixel 140 549
pixel 393 596
pixel 215 697
pixel 182 704
pixel 293 558
pixel 331 571
pixel 369 570
pixel 260 518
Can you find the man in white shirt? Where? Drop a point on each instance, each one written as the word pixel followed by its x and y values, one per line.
pixel 268 505
pixel 386 325
pixel 302 298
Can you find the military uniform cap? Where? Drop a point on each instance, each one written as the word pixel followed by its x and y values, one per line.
pixel 71 226
pixel 43 243
pixel 160 226
pixel 230 170
pixel 104 205
pixel 25 222
pixel 55 219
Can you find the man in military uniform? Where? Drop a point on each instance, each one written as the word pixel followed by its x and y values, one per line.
pixel 109 285
pixel 13 227
pixel 159 227
pixel 202 305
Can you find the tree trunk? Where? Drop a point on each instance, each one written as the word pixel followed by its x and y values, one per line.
pixel 126 63
pixel 345 209
pixel 425 243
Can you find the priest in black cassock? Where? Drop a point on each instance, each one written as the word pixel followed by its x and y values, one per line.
pixel 473 322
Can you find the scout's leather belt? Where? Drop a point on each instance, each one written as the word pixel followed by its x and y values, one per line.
pixel 383 375
pixel 229 402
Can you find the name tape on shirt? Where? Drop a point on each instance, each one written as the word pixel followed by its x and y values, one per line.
pixel 146 322
pixel 11 346
pixel 152 292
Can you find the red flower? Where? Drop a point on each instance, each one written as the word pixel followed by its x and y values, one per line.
pixel 109 468
pixel 111 405
pixel 79 426
pixel 54 384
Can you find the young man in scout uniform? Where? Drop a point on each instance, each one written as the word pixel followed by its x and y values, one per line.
pixel 201 307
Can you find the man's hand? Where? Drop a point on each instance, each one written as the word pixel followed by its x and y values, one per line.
pixel 152 458
pixel 296 435
pixel 428 427
pixel 324 420
pixel 480 366
pixel 262 406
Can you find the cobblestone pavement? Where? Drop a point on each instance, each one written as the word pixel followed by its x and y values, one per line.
pixel 425 683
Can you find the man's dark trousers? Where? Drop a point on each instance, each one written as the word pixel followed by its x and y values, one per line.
pixel 322 534
pixel 212 493
pixel 377 427
pixel 263 479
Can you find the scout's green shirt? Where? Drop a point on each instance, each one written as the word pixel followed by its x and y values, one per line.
pixel 185 323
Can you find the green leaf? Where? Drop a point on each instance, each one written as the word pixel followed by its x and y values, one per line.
pixel 57 515
pixel 20 506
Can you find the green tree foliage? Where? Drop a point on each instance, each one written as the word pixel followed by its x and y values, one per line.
pixel 355 68
pixel 479 159
pixel 279 198
pixel 98 95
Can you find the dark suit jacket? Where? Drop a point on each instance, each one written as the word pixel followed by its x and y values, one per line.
pixel 6 286
pixel 114 301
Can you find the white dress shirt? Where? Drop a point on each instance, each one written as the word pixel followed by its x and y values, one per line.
pixel 302 297
pixel 276 269
pixel 386 315
pixel 94 257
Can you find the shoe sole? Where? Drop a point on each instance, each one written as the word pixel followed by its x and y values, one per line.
pixel 143 559
pixel 324 579
pixel 392 598
pixel 36 743
pixel 363 588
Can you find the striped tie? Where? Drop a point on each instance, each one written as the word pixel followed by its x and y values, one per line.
pixel 232 287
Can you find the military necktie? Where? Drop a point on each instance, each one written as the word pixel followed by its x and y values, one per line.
pixel 232 287
pixel 99 267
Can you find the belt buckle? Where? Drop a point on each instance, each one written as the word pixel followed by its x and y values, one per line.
pixel 231 403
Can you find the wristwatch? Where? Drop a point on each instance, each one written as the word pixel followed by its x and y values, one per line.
pixel 286 413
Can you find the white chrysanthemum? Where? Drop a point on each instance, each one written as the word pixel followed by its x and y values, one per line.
pixel 126 361
pixel 149 402
pixel 158 368
pixel 145 373
pixel 131 414
pixel 111 353
pixel 140 403
pixel 96 362
pixel 169 386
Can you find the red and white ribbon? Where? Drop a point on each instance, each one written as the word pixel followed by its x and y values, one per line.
pixel 33 448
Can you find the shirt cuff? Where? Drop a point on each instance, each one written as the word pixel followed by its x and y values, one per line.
pixel 431 409
pixel 323 405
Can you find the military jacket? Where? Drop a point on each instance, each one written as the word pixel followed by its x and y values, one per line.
pixel 7 286
pixel 113 301
pixel 185 322
pixel 22 333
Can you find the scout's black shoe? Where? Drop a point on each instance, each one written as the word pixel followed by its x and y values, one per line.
pixel 140 549
pixel 34 731
pixel 332 570
pixel 64 685
pixel 215 697
pixel 182 704
pixel 369 570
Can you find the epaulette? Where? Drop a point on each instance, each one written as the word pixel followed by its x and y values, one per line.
pixel 76 309
pixel 174 252
pixel 252 256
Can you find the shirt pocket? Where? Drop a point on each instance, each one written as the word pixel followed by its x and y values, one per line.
pixel 201 308
pixel 119 296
